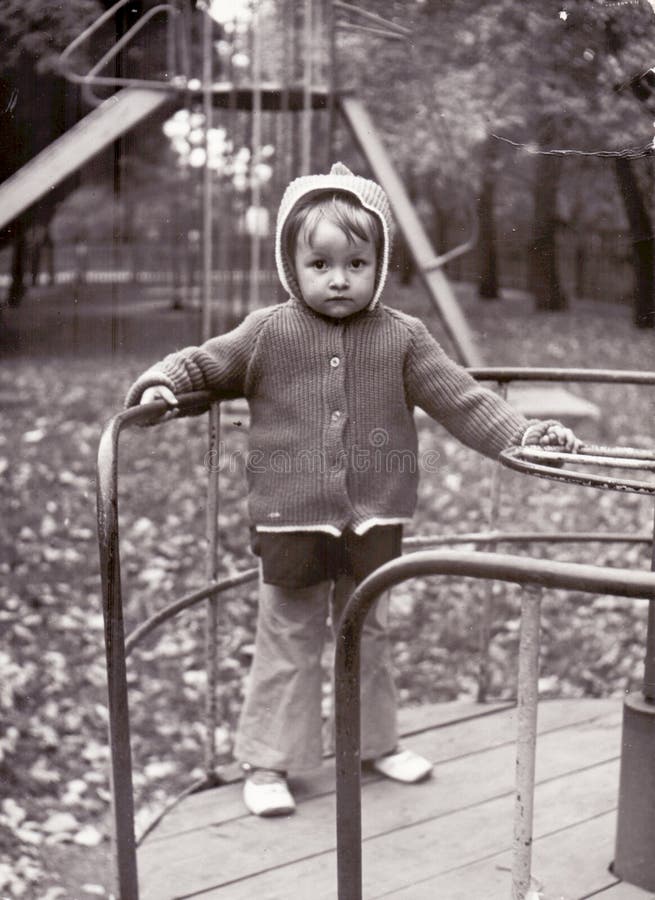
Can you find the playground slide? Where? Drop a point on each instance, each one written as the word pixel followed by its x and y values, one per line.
pixel 437 285
pixel 76 147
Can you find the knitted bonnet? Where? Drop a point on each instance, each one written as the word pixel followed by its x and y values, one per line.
pixel 370 195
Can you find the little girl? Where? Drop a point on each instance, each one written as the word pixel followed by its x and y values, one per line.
pixel 332 377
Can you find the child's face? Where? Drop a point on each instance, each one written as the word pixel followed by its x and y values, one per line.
pixel 336 275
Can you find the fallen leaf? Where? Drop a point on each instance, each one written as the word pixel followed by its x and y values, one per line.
pixel 88 837
pixel 33 437
pixel 60 823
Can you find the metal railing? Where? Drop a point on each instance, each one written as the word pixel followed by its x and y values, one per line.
pixel 533 574
pixel 118 646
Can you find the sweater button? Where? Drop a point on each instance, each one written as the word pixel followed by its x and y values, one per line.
pixel 336 415
pixel 334 362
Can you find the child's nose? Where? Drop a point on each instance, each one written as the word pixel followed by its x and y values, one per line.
pixel 339 278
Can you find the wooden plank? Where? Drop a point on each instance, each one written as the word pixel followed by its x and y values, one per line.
pixel 462 782
pixel 77 146
pixel 573 862
pixel 210 808
pixel 412 719
pixel 449 857
pixel 569 864
pixel 559 803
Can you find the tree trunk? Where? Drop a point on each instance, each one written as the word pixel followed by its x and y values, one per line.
pixel 487 249
pixel 49 248
pixel 404 260
pixel 580 267
pixel 17 287
pixel 643 246
pixel 543 265
pixel 438 227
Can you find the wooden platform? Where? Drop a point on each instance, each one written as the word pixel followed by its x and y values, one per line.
pixel 448 838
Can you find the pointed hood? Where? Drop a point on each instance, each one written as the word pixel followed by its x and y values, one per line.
pixel 340 178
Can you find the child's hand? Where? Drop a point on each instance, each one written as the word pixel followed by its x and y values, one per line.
pixel 552 435
pixel 160 392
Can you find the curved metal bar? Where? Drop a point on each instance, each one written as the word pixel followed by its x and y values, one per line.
pixel 138 26
pixel 98 23
pixel 195 787
pixel 112 608
pixel 119 718
pixel 503 567
pixel 627 453
pixel 178 606
pixel 514 458
pixel 116 48
pixel 91 78
pixel 589 376
pixel 588 455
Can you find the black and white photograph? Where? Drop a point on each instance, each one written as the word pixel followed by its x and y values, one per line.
pixel 327 449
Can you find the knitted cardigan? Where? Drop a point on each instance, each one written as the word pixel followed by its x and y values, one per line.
pixel 332 439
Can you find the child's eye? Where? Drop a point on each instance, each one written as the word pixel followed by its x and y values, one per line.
pixel 358 263
pixel 319 265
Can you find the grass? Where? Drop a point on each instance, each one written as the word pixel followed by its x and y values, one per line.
pixel 68 363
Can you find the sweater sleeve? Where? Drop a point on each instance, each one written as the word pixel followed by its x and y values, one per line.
pixel 473 414
pixel 220 365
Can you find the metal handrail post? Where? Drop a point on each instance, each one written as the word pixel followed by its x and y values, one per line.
pixel 122 803
pixel 484 634
pixel 347 720
pixel 207 179
pixel 635 822
pixel 526 741
pixel 649 662
pixel 124 845
pixel 503 567
pixel 211 574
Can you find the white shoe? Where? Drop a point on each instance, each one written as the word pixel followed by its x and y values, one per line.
pixel 266 793
pixel 403 765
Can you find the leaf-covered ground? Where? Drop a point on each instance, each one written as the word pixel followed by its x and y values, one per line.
pixel 56 393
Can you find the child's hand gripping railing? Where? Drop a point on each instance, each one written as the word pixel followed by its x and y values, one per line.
pixel 118 647
pixel 533 574
pixel 493 536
